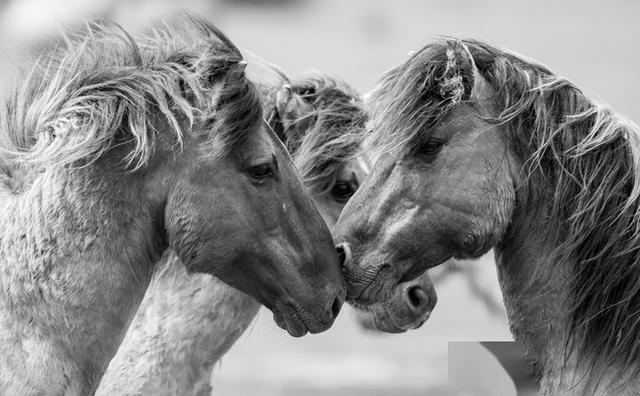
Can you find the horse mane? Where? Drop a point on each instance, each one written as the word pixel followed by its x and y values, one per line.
pixel 581 154
pixel 337 130
pixel 102 87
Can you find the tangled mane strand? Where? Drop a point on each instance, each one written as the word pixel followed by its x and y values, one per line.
pixel 103 86
pixel 411 98
pixel 337 129
pixel 580 153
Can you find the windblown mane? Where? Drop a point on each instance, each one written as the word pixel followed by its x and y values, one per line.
pixel 104 87
pixel 336 133
pixel 581 152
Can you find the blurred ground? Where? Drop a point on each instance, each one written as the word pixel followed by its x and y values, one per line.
pixel 592 42
pixel 349 361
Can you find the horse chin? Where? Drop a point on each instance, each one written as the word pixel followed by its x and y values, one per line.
pixel 288 319
pixel 387 327
pixel 393 319
pixel 381 320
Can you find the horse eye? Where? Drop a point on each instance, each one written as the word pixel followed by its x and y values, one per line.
pixel 342 191
pixel 261 172
pixel 432 146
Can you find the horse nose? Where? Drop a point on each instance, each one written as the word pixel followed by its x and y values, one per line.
pixel 344 254
pixel 333 308
pixel 419 300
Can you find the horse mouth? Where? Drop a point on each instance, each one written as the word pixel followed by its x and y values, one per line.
pixel 372 291
pixel 292 319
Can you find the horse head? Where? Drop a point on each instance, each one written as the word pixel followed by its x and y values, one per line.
pixel 440 187
pixel 322 121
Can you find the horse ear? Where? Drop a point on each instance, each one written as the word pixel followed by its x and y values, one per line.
pixel 462 80
pixel 293 110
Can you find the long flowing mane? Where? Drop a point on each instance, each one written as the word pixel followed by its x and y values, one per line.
pixel 579 152
pixel 337 128
pixel 102 87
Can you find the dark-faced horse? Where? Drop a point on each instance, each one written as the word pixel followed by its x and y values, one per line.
pixel 186 323
pixel 321 120
pixel 479 148
pixel 114 150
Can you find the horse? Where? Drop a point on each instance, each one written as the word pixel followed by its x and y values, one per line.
pixel 478 148
pixel 408 308
pixel 185 324
pixel 318 118
pixel 115 150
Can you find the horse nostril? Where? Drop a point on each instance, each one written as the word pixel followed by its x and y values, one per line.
pixel 335 307
pixel 417 298
pixel 343 253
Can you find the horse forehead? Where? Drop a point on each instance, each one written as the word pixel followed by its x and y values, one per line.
pixel 262 142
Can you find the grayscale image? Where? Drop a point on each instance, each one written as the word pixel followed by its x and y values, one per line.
pixel 319 197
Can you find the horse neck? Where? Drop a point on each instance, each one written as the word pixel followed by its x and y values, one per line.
pixel 75 257
pixel 537 298
pixel 184 325
pixel 531 295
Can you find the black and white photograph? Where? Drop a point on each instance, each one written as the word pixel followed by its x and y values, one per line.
pixel 319 198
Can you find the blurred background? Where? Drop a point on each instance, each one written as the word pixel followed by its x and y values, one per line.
pixel 594 43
